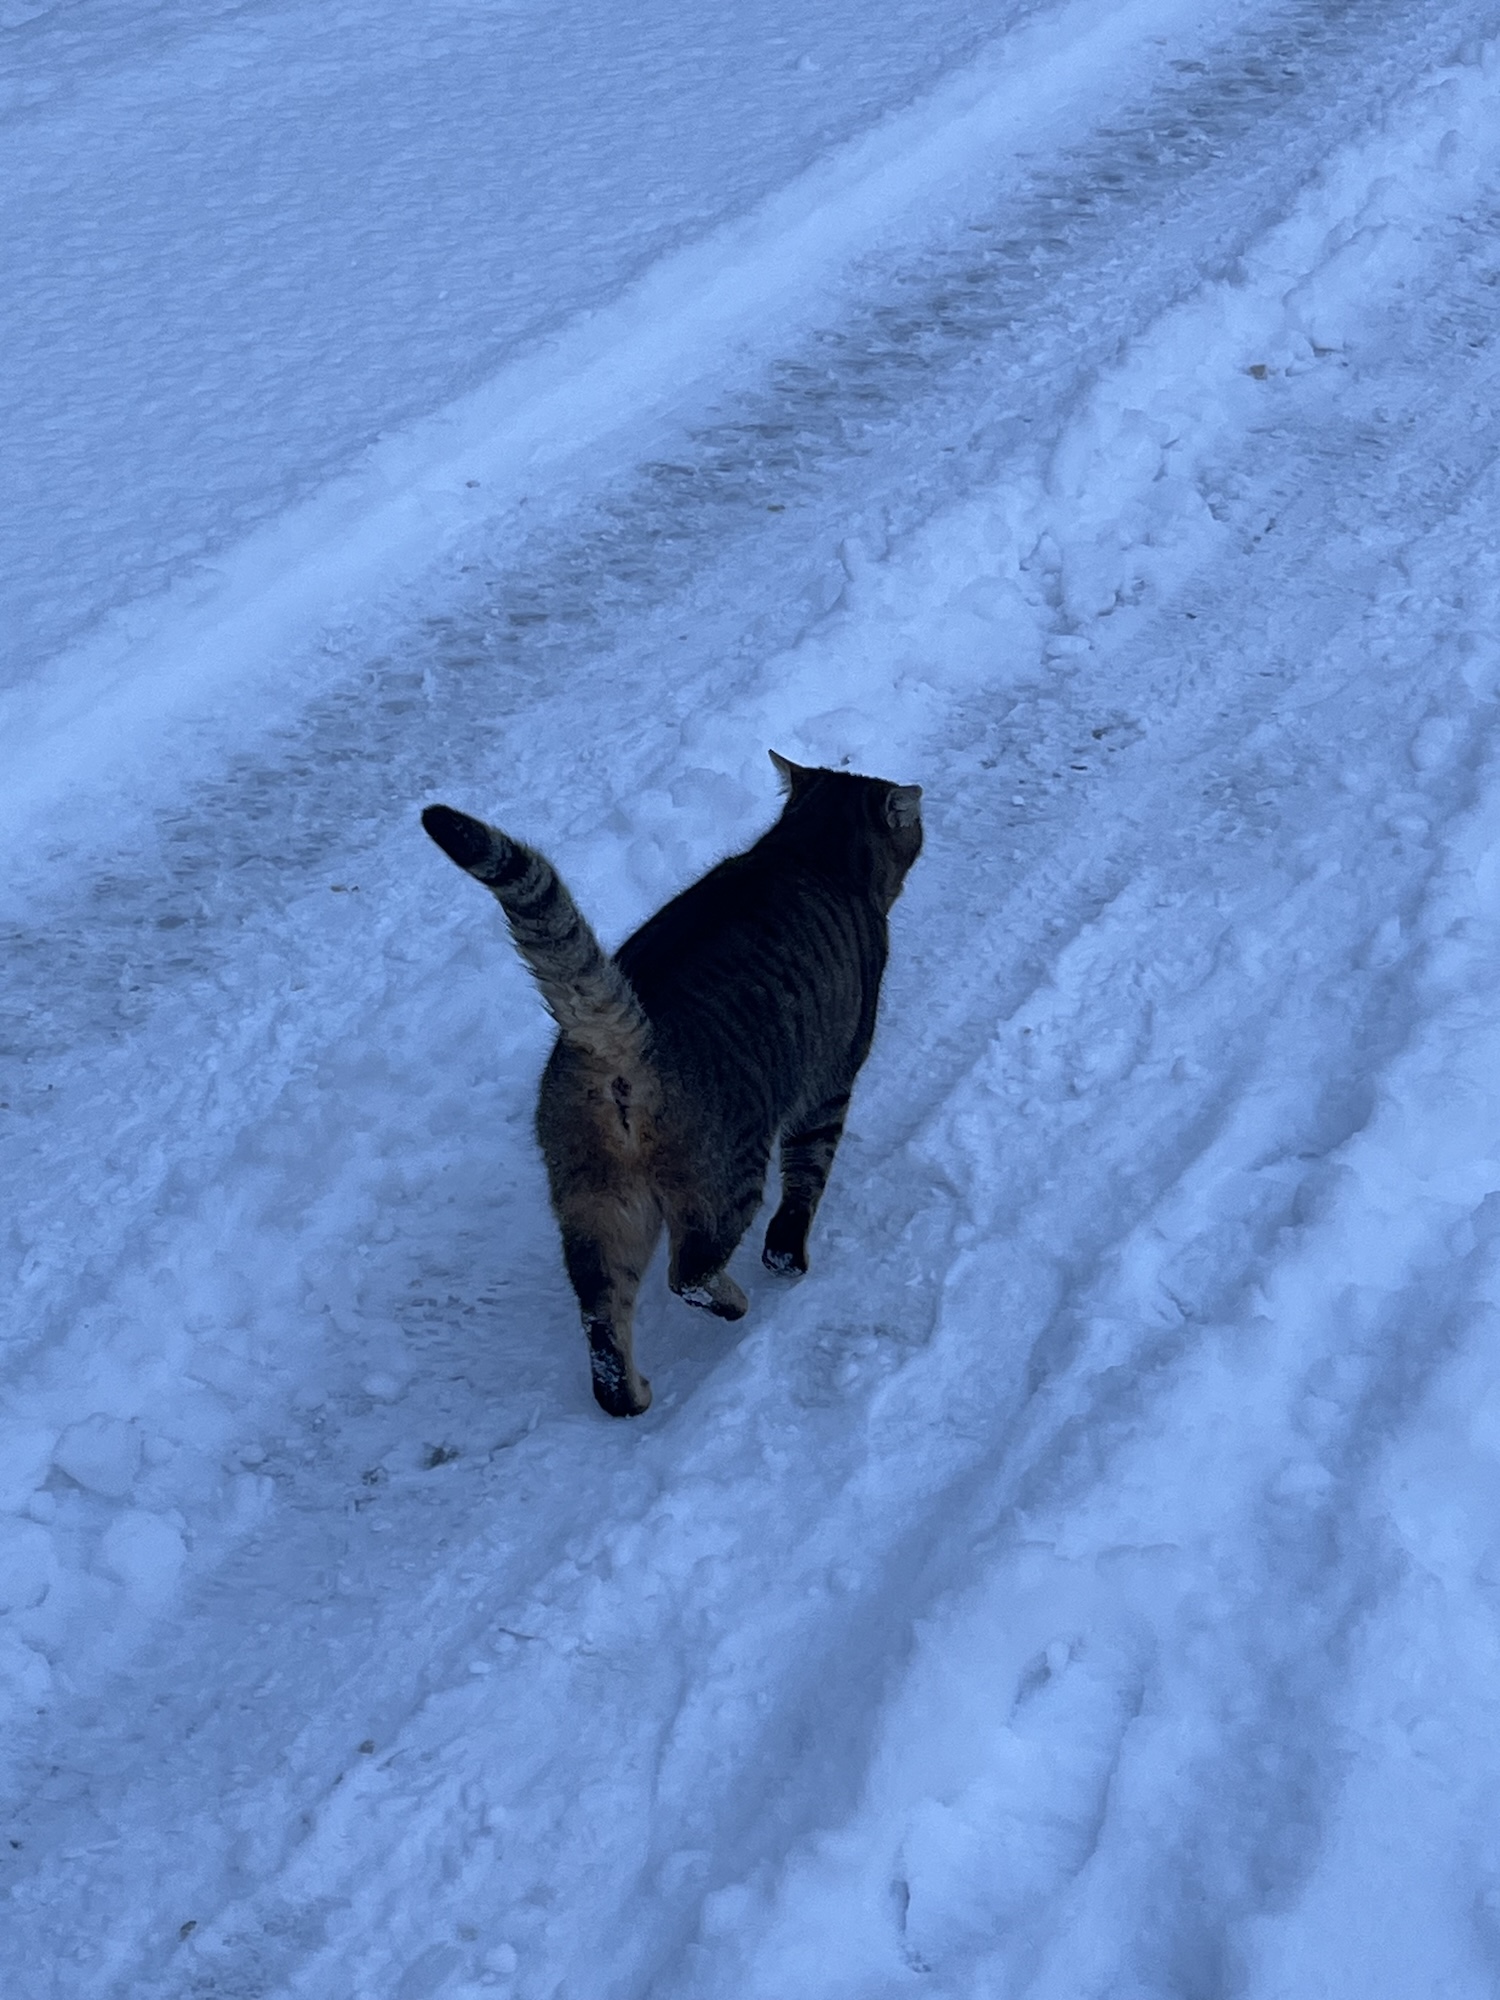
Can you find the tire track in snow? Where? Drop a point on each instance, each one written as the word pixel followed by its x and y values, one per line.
pixel 1083 1427
pixel 239 627
pixel 1111 1377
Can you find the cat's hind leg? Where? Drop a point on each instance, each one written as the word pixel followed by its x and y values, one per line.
pixel 807 1153
pixel 607 1244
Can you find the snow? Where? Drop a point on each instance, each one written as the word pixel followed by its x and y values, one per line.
pixel 1084 1582
pixel 477 459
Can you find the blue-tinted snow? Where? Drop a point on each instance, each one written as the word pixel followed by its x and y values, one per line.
pixel 244 242
pixel 1085 1582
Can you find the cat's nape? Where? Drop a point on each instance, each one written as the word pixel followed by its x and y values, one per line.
pixel 738 1016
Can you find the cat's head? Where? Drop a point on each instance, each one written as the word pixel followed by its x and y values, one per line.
pixel 878 821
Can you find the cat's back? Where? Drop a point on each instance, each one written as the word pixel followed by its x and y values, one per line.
pixel 771 964
pixel 758 978
pixel 757 911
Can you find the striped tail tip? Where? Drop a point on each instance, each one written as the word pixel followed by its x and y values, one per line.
pixel 482 851
pixel 464 840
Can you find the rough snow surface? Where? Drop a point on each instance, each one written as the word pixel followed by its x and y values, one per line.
pixel 1084 1582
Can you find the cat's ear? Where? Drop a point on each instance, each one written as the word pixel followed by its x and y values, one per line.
pixel 903 807
pixel 786 770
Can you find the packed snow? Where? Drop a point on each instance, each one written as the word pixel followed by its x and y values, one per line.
pixel 1086 1582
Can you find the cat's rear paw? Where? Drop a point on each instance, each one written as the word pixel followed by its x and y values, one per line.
pixel 719 1295
pixel 620 1389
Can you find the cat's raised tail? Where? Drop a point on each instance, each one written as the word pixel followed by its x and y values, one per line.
pixel 585 992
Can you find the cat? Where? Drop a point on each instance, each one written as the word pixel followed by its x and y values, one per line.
pixel 741 1012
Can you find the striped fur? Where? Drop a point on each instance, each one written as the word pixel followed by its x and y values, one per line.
pixel 737 1016
pixel 584 992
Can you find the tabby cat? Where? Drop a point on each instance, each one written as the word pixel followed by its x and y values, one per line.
pixel 740 1012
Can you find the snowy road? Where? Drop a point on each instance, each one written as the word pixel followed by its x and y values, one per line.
pixel 1085 1582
